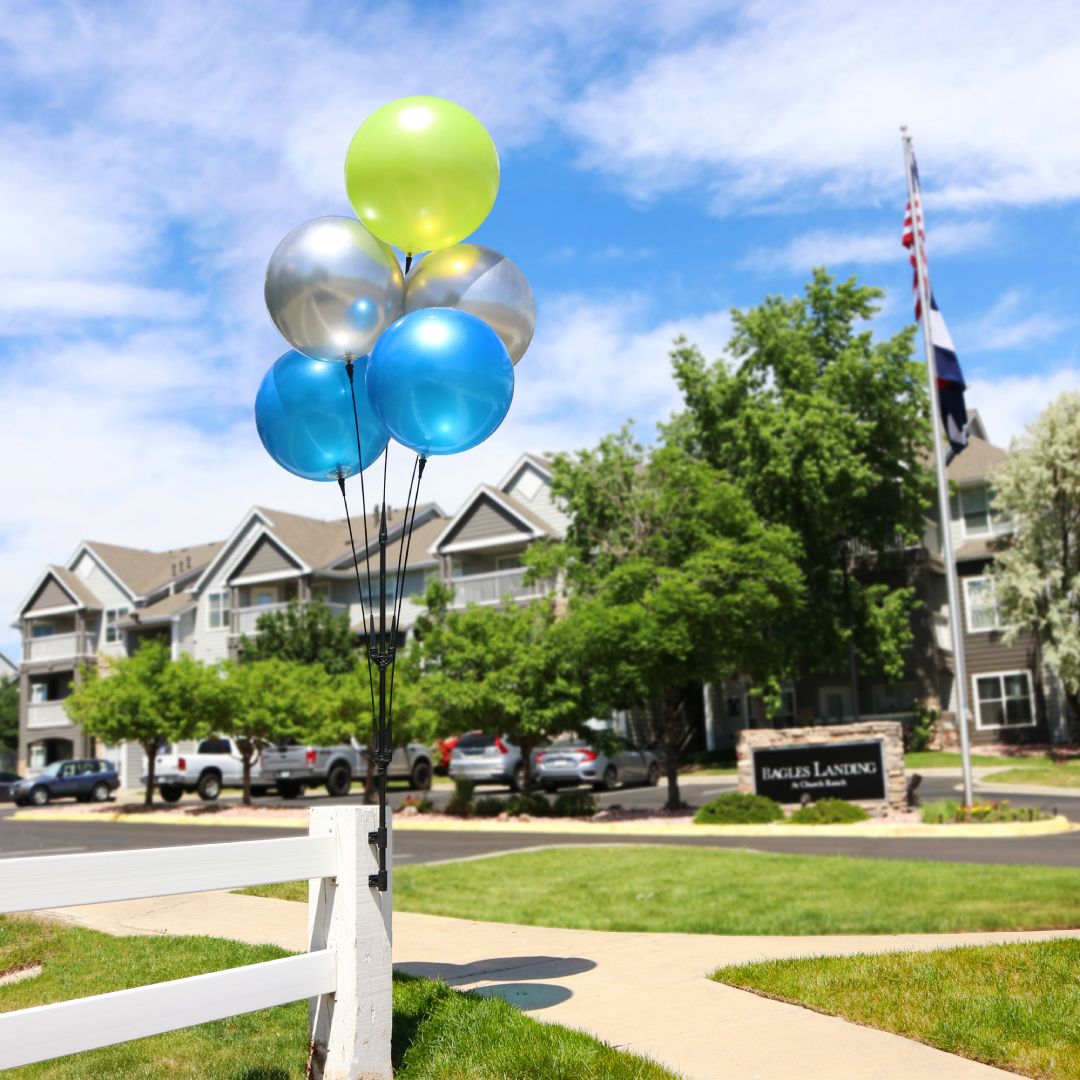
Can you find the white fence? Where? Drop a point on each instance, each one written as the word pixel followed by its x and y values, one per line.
pixel 346 974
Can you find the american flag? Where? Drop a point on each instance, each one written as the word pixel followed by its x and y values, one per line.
pixel 950 379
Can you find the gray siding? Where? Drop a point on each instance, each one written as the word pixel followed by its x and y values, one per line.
pixel 50 595
pixel 265 558
pixel 485 520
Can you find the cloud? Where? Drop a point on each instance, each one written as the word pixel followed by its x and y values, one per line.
pixel 1006 405
pixel 1011 324
pixel 789 96
pixel 828 248
pixel 91 300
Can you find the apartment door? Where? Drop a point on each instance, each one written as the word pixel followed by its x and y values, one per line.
pixel 835 703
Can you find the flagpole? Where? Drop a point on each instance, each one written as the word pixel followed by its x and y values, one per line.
pixel 944 510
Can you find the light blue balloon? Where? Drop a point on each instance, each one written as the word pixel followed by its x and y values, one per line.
pixel 440 381
pixel 304 414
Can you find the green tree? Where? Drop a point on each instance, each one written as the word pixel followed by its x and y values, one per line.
pixel 272 700
pixel 305 634
pixel 9 713
pixel 826 432
pixel 672 579
pixel 146 698
pixel 1036 575
pixel 508 671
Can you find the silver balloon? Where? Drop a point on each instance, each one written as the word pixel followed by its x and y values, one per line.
pixel 480 281
pixel 332 288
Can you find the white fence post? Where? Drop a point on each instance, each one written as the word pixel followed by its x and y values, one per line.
pixel 350 1030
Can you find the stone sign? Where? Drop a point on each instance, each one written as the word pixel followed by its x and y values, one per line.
pixel 861 763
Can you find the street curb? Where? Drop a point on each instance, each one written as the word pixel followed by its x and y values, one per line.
pixel 154 819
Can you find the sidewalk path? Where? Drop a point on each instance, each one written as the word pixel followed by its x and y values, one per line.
pixel 644 992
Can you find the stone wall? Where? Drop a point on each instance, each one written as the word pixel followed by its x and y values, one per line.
pixel 889 732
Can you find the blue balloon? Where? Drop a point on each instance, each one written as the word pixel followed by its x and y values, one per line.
pixel 440 380
pixel 304 414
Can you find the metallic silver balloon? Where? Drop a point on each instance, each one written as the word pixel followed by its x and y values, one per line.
pixel 332 288
pixel 480 281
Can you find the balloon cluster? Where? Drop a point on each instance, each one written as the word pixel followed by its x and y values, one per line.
pixel 435 347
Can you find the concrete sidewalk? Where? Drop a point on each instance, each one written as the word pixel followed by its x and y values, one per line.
pixel 645 992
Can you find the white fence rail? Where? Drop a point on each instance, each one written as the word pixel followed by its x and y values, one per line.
pixel 346 974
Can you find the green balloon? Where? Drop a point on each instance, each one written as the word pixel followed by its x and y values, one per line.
pixel 422 173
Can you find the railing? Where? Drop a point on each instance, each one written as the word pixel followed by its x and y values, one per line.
pixel 244 619
pixel 46 714
pixel 899 542
pixel 491 588
pixel 56 646
pixel 905 717
pixel 347 970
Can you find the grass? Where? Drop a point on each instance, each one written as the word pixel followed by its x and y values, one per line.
pixel 439 1033
pixel 1065 775
pixel 940 759
pixel 1013 1006
pixel 710 891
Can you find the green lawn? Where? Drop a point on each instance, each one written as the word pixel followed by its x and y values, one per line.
pixel 439 1033
pixel 936 759
pixel 713 891
pixel 1013 1006
pixel 1064 775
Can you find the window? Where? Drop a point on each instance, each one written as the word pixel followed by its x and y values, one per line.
pixel 218 610
pixel 786 711
pixel 457 568
pixel 1004 700
pixel 266 597
pixel 42 630
pixel 507 562
pixel 982 608
pixel 321 588
pixel 980 518
pixel 39 693
pixel 112 617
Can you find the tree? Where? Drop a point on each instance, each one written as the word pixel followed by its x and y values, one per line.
pixel 1036 574
pixel 306 634
pixel 271 700
pixel 825 432
pixel 672 579
pixel 504 671
pixel 146 698
pixel 9 713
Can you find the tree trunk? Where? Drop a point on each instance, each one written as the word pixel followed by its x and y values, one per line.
pixel 527 744
pixel 150 749
pixel 672 732
pixel 370 797
pixel 246 746
pixel 1073 701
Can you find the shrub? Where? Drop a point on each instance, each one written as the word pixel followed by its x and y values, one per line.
pixel 532 803
pixel 917 737
pixel 948 812
pixel 829 812
pixel 576 804
pixel 739 808
pixel 941 812
pixel 461 804
pixel 421 803
pixel 489 807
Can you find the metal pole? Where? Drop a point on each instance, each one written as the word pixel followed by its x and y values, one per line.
pixel 944 509
pixel 853 663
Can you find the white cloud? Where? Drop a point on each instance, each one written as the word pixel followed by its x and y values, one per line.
pixel 90 300
pixel 814 94
pixel 1006 405
pixel 1011 324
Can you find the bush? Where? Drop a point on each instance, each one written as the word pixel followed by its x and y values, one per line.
pixel 421 803
pixel 739 808
pixel 490 807
pixel 461 804
pixel 576 804
pixel 949 812
pixel 532 803
pixel 917 737
pixel 829 812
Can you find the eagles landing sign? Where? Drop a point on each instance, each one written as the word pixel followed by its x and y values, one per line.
pixel 859 762
pixel 854 771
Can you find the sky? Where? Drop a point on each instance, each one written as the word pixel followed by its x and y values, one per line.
pixel 662 162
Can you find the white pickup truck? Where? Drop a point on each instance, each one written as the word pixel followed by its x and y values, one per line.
pixel 291 768
pixel 215 765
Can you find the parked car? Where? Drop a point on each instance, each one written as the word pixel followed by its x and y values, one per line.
pixel 488 759
pixel 574 761
pixel 7 780
pixel 445 748
pixel 214 766
pixel 292 768
pixel 86 779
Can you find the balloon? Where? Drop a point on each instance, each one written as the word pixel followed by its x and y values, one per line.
pixel 440 381
pixel 304 415
pixel 332 288
pixel 481 281
pixel 422 173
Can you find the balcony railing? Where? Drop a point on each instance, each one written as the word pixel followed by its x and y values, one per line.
pixel 46 714
pixel 244 619
pixel 491 588
pixel 57 646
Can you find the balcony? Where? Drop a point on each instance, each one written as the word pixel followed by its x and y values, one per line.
pixel 943 632
pixel 46 714
pixel 55 647
pixel 244 619
pixel 491 588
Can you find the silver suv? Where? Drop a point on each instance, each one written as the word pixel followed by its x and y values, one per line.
pixel 488 759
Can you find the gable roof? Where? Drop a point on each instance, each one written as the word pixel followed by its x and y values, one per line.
pixel 74 592
pixel 144 571
pixel 976 460
pixel 532 526
pixel 541 463
pixel 8 667
pixel 165 610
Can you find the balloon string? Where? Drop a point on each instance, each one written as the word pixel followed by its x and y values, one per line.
pixel 356 569
pixel 418 469
pixel 363 499
pixel 408 263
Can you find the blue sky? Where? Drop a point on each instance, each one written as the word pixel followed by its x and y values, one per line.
pixel 662 162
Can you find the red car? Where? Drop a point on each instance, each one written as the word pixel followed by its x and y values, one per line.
pixel 446 748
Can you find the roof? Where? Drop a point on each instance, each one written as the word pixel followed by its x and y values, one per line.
pixel 8 666
pixel 526 459
pixel 976 461
pixel 985 548
pixel 422 537
pixel 163 611
pixel 75 586
pixel 143 571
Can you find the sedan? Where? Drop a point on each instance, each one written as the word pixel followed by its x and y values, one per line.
pixel 7 781
pixel 566 764
pixel 87 780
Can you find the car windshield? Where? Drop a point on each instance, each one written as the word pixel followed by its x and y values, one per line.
pixel 53 769
pixel 475 742
pixel 215 746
